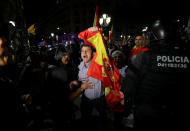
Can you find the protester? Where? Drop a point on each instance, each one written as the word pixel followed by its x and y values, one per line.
pixel 9 97
pixel 60 93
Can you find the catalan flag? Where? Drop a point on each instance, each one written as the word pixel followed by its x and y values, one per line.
pixel 32 30
pixel 102 68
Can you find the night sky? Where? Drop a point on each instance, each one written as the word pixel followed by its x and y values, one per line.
pixel 128 14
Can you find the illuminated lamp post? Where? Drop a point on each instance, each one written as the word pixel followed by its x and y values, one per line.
pixel 105 21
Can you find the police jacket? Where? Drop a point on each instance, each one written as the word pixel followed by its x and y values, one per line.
pixel 158 82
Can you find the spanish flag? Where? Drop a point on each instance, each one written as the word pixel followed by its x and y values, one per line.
pixel 96 18
pixel 103 69
pixel 32 30
pixel 110 34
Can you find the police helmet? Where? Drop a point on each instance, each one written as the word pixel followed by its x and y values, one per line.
pixel 163 29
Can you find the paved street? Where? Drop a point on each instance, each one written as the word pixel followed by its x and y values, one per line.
pixel 47 123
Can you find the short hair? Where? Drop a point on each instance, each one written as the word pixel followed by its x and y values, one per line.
pixel 92 48
pixel 118 52
pixel 139 35
pixel 6 47
pixel 60 52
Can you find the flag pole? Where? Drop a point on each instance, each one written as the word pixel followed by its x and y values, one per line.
pixel 96 18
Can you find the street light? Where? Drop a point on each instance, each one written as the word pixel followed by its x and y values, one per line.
pixel 105 20
pixel 145 29
pixel 12 22
pixel 52 34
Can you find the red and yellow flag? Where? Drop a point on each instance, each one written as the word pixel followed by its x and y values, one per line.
pixel 96 19
pixel 110 34
pixel 134 51
pixel 102 68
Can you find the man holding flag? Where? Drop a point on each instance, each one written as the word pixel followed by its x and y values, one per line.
pixel 93 97
pixel 103 75
pixel 103 69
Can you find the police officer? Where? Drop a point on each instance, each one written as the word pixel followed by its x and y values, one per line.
pixel 157 81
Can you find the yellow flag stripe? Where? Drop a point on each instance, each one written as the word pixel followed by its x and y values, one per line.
pixel 100 48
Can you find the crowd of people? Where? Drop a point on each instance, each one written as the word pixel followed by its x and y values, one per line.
pixel 153 81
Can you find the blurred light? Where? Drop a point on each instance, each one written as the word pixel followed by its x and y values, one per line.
pixel 57 37
pixel 101 21
pixel 145 29
pixel 66 43
pixel 104 16
pixel 58 28
pixel 157 23
pixel 104 20
pixel 52 34
pixel 162 33
pixel 108 20
pixel 12 22
pixel 121 36
pixel 82 43
pixel 178 20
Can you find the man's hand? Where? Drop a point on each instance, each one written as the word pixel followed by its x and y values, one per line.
pixel 122 95
pixel 86 85
pixel 72 84
pixel 93 29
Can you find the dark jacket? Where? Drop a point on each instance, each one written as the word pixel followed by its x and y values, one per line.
pixel 58 88
pixel 9 98
pixel 157 82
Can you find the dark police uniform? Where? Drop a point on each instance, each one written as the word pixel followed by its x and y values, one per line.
pixel 158 83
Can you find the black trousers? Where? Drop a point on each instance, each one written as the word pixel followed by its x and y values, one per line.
pixel 88 105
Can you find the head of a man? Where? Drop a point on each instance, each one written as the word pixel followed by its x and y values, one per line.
pixel 4 53
pixel 62 55
pixel 119 58
pixel 139 41
pixel 1 46
pixel 87 53
pixel 65 58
